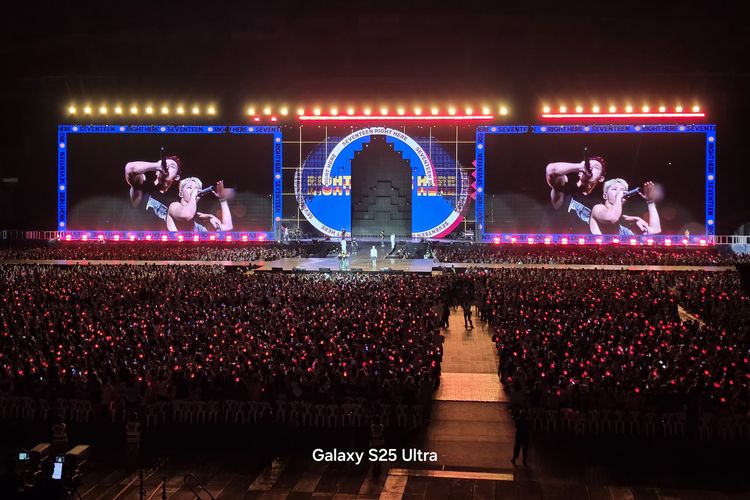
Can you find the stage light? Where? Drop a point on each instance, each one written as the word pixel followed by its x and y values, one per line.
pixel 250 111
pixel 165 110
pixel 274 119
pixel 650 241
pixel 628 108
pixel 118 110
pixel 261 237
pixel 180 238
pixel 702 242
pixel 256 118
pixel 667 242
pixel 513 240
pixel 84 237
pixel 563 109
pixel 228 237
pixel 383 111
pixel 564 240
pixel 530 240
pixel 662 109
pixel 367 111
pixel 116 237
pixel 417 111
pixel 300 111
pixel 71 110
pixel 503 110
pixel 633 241
pixel 211 110
pixel 469 110
pixel 149 110
pixel 131 237
pixel 451 110
pixel 350 111
pixel 434 110
pixel 67 237
pixel 696 109
pixel 547 240
pixel 317 111
pixel 133 110
pixel 401 111
pixel 163 237
pixel 612 109
pixel 267 110
pixel 598 241
pixel 196 237
pixel 545 109
pixel 496 240
pixel 87 110
pixel 645 108
pixel 595 108
pixel 334 111
pixel 485 110
pixel 212 237
pixel 615 240
pixel 103 110
pixel 579 109
pixel 148 237
pixel 284 111
pixel 196 110
pixel 180 110
pixel 581 241
pixel 678 109
pixel 244 237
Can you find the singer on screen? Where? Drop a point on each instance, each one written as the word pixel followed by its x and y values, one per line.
pixel 572 192
pixel 150 181
pixel 608 217
pixel 183 215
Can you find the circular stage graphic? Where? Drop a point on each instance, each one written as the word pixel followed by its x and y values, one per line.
pixel 439 185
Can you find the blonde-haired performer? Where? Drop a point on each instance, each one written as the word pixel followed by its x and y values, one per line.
pixel 608 218
pixel 182 214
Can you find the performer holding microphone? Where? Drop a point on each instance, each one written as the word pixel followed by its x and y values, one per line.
pixel 182 214
pixel 608 217
pixel 572 187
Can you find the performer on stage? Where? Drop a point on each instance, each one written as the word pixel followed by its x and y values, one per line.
pixel 572 187
pixel 374 257
pixel 150 181
pixel 607 217
pixel 182 214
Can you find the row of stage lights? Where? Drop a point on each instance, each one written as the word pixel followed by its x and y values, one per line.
pixel 628 108
pixel 667 242
pixel 261 237
pixel 138 110
pixel 381 110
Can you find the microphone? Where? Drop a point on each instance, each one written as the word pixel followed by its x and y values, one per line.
pixel 164 161
pixel 630 193
pixel 205 191
pixel 586 161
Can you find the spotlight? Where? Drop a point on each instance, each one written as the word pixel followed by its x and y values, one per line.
pixel 334 111
pixel 244 237
pixel 383 110
pixel 451 110
pixel 71 110
pixel 612 109
pixel 163 237
pixel 563 109
pixel 469 110
pixel 103 110
pixel 87 110
pixel 180 110
pixel 546 109
pixel 350 111
pixel 486 110
pixel 400 111
pixel 581 241
pixel 696 109
pixel 662 109
pixel 628 108
pixel 434 110
pixel 417 110
pixel 211 110
pixel 595 108
pixel 645 108
pixel 564 240
pixel 503 110
pixel 367 111
pixel 196 110
pixel 196 237
pixel 118 110
pixel 579 109
pixel 267 110
pixel 284 111
pixel 678 109
pixel 301 111
pixel 317 111
pixel 149 110
pixel 164 110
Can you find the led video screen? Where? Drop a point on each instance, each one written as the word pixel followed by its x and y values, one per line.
pixel 632 183
pixel 190 182
pixel 413 181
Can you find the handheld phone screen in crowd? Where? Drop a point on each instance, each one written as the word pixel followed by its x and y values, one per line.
pixel 58 469
pixel 23 456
